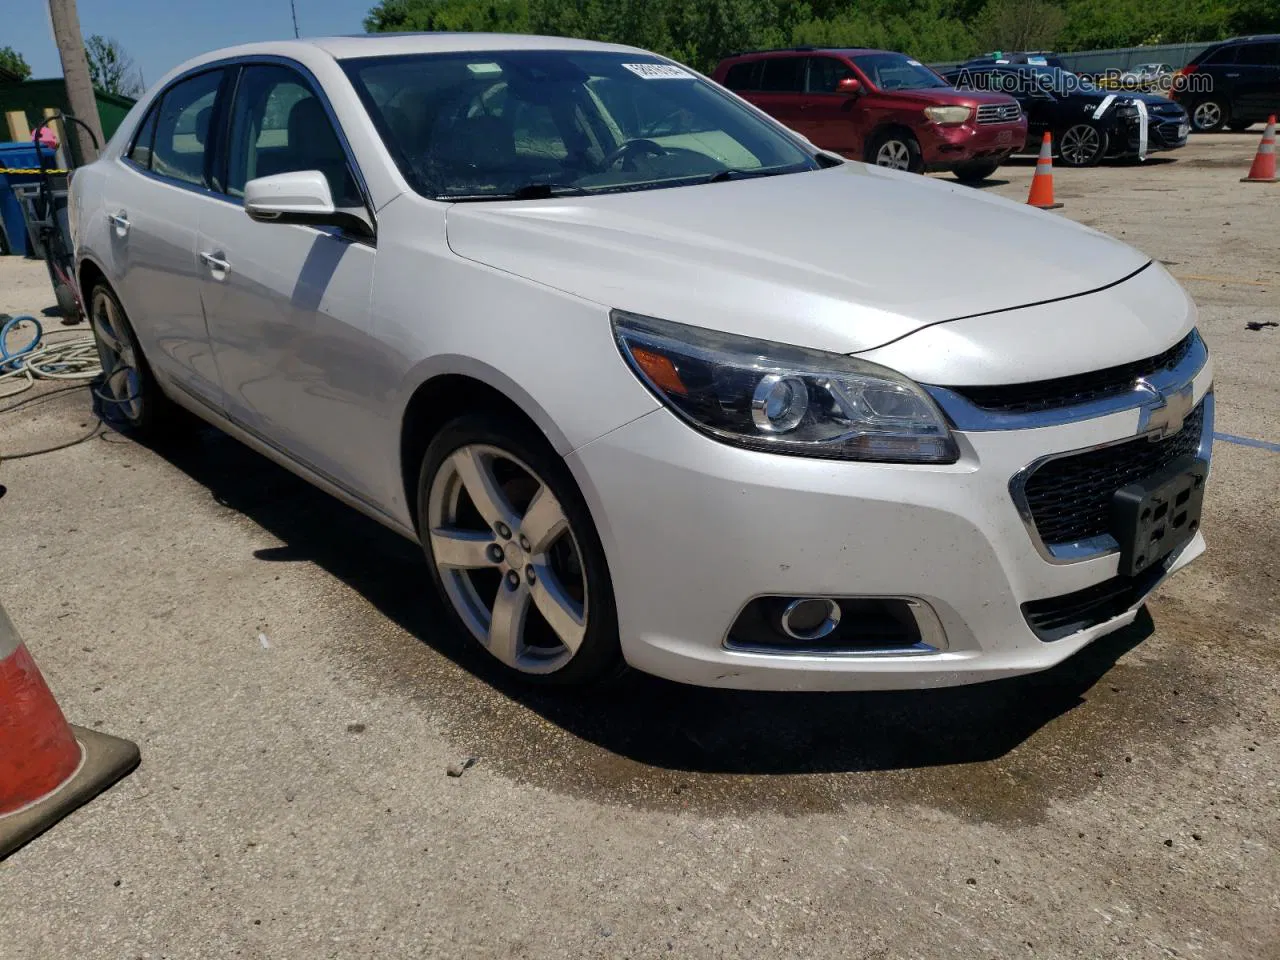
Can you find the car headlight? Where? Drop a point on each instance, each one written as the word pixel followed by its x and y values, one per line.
pixel 948 114
pixel 785 399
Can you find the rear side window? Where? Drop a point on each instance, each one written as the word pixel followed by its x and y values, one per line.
pixel 183 124
pixel 743 76
pixel 1260 54
pixel 783 75
pixel 1221 55
pixel 140 152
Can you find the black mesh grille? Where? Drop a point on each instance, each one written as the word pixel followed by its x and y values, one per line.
pixel 1070 498
pixel 1067 391
pixel 1058 617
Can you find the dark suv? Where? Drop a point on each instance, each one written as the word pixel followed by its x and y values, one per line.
pixel 1233 84
pixel 881 107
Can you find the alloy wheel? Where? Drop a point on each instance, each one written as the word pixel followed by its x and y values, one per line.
pixel 1080 145
pixel 1207 115
pixel 121 376
pixel 894 154
pixel 508 558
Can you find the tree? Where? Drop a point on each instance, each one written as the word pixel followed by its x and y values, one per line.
pixel 1019 25
pixel 111 68
pixel 13 61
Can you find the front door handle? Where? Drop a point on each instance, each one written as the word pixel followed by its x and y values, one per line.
pixel 119 221
pixel 1233 74
pixel 215 262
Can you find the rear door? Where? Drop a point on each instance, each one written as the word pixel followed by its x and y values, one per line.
pixel 779 89
pixel 1257 86
pixel 832 119
pixel 152 206
pixel 288 305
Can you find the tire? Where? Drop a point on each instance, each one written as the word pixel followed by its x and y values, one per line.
pixel 975 172
pixel 1081 145
pixel 896 150
pixel 127 395
pixel 1209 115
pixel 1239 126
pixel 524 546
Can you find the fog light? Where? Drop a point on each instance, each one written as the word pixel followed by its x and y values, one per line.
pixel 779 403
pixel 810 619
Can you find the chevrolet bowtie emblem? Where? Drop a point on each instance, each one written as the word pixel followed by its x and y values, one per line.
pixel 1164 413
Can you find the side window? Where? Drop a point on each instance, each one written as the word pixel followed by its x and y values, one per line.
pixel 1222 55
pixel 783 75
pixel 183 124
pixel 140 152
pixel 825 73
pixel 1261 54
pixel 279 125
pixel 742 76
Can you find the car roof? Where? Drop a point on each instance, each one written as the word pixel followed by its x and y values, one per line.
pixel 844 51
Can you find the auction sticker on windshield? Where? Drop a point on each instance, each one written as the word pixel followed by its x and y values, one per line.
pixel 659 71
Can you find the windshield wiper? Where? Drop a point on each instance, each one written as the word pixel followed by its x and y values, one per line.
pixel 530 191
pixel 733 173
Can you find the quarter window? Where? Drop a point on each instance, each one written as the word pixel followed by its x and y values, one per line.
pixel 279 125
pixel 182 127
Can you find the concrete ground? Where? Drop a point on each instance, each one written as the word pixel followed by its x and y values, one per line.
pixel 298 702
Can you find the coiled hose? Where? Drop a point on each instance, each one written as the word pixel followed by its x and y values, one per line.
pixel 56 356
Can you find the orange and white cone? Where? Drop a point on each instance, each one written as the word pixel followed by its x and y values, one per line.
pixel 1041 194
pixel 47 767
pixel 1264 163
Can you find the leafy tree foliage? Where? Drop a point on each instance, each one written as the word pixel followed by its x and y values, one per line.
pixel 13 61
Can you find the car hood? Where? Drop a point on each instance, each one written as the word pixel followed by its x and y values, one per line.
pixel 843 259
pixel 1097 96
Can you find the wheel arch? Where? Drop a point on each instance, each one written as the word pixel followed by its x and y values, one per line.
pixel 447 387
pixel 880 129
pixel 88 273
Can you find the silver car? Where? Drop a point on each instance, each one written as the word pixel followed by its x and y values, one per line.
pixel 652 379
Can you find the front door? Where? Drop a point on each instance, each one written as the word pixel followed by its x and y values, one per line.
pixel 1257 86
pixel 832 119
pixel 288 305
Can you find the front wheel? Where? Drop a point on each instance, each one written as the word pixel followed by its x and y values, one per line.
pixel 1208 116
pixel 514 554
pixel 897 151
pixel 1082 145
pixel 975 172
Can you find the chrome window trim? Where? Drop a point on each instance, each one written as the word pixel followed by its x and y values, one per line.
pixel 1062 553
pixel 933 638
pixel 968 416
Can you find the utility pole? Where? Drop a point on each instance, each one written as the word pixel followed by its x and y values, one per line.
pixel 75 72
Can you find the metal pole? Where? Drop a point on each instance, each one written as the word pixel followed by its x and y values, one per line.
pixel 75 72
pixel 293 9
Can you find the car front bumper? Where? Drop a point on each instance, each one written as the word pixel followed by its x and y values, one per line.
pixel 945 147
pixel 694 529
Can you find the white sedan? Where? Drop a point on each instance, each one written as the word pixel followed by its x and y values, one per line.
pixel 651 379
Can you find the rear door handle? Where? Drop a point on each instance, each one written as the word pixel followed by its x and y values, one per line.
pixel 215 262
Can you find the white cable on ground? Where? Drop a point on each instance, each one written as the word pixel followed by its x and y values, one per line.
pixel 59 355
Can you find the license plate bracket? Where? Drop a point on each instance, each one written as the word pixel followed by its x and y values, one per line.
pixel 1156 515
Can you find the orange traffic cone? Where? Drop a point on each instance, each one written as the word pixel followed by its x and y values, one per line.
pixel 1264 163
pixel 47 767
pixel 1041 194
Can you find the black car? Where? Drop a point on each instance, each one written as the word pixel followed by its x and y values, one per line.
pixel 1034 57
pixel 1087 123
pixel 1233 84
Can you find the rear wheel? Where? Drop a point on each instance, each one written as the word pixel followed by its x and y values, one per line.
pixel 1082 145
pixel 975 172
pixel 897 150
pixel 127 393
pixel 514 554
pixel 1208 116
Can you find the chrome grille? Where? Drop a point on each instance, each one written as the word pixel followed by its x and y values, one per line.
pixel 1069 498
pixel 998 112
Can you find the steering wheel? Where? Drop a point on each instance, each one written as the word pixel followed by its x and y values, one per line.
pixel 641 145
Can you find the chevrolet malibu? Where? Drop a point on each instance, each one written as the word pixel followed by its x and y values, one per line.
pixel 651 379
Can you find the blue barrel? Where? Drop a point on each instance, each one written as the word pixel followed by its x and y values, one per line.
pixel 21 156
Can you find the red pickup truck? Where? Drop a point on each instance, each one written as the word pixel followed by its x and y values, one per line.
pixel 881 107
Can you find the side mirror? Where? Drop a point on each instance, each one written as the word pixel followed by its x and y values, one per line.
pixel 849 85
pixel 299 197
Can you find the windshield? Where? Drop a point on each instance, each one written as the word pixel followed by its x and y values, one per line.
pixel 893 71
pixel 537 123
pixel 1057 80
